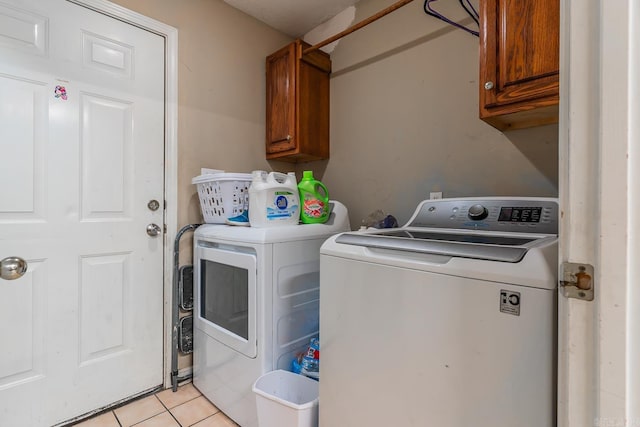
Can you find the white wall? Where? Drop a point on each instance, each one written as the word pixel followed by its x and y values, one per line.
pixel 404 108
pixel 404 120
pixel 221 89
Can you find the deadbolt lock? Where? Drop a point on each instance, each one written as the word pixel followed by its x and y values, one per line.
pixel 153 205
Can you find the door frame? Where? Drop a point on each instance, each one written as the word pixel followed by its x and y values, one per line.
pixel 599 177
pixel 170 34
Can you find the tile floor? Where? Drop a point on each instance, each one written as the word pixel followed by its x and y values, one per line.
pixel 186 407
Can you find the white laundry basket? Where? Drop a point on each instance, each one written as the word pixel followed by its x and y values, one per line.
pixel 285 399
pixel 222 195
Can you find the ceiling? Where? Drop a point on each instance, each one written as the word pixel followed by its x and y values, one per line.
pixel 292 17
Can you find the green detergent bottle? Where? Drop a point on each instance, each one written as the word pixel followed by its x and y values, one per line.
pixel 314 200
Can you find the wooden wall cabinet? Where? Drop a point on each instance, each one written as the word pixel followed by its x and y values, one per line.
pixel 297 121
pixel 519 62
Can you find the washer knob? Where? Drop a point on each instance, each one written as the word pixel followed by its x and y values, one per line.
pixel 478 212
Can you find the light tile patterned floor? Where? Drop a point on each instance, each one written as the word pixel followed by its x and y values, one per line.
pixel 184 408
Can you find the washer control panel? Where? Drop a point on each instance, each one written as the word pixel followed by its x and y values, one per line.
pixel 477 212
pixel 509 214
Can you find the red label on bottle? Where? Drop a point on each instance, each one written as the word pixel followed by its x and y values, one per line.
pixel 313 208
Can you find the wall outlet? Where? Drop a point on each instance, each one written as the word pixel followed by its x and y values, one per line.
pixel 435 195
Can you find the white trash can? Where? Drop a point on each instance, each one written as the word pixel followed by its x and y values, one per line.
pixel 285 399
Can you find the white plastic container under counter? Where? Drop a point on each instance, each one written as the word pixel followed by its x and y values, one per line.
pixel 222 195
pixel 285 399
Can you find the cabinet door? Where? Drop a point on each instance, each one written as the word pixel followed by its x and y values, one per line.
pixel 281 93
pixel 313 106
pixel 519 56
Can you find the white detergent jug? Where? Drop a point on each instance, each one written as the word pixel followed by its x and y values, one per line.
pixel 273 199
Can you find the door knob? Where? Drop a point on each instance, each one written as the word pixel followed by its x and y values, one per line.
pixel 153 230
pixel 12 268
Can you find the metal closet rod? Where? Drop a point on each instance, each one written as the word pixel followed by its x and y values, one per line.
pixel 357 26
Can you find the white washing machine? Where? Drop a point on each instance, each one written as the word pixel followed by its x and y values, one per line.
pixel 449 321
pixel 256 305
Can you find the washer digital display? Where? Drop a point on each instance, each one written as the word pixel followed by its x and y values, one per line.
pixel 520 214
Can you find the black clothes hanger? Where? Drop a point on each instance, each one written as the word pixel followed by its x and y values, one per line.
pixel 468 7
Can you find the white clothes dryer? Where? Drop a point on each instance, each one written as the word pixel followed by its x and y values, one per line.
pixel 449 321
pixel 256 305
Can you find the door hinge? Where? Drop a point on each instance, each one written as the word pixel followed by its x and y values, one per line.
pixel 164 228
pixel 577 280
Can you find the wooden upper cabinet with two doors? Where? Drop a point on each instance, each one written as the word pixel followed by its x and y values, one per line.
pixel 519 62
pixel 297 121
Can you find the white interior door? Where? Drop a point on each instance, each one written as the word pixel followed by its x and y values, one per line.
pixel 81 155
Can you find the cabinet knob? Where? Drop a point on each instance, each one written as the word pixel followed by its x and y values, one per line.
pixel 488 85
pixel 288 137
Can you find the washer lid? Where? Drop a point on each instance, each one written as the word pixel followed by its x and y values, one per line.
pixel 494 247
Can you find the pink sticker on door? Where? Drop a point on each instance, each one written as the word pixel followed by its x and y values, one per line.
pixel 60 92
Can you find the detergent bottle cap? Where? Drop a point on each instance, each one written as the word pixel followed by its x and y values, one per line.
pixel 307 175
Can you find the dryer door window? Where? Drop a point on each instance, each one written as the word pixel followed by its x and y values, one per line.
pixel 226 297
